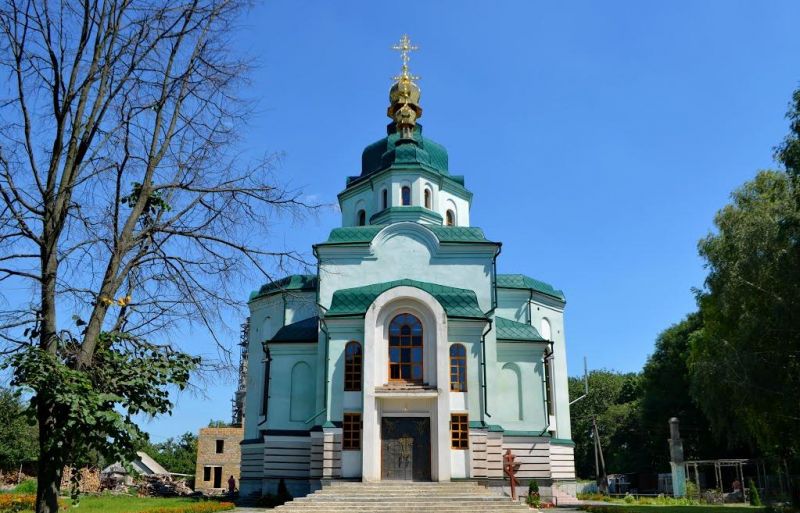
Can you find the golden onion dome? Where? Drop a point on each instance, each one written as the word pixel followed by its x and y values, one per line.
pixel 404 91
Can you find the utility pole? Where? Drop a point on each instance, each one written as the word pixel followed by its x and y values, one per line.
pixel 602 478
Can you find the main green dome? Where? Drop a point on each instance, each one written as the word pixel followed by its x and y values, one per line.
pixel 419 152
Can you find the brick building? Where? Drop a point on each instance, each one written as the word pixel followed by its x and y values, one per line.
pixel 218 458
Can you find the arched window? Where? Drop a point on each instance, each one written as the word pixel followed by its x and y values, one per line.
pixel 406 195
pixel 458 368
pixel 352 367
pixel 362 218
pixel 450 218
pixel 428 198
pixel 405 349
pixel 384 199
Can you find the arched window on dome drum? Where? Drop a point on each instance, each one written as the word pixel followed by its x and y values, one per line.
pixel 450 218
pixel 352 367
pixel 406 195
pixel 362 218
pixel 428 198
pixel 384 199
pixel 405 349
pixel 458 368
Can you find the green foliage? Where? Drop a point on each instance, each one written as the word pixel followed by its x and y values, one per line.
pixel 755 497
pixel 744 361
pixel 94 406
pixel 665 394
pixel 788 152
pixel 27 486
pixel 218 423
pixel 534 498
pixel 614 399
pixel 19 438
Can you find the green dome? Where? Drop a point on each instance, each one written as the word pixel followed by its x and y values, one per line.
pixel 386 153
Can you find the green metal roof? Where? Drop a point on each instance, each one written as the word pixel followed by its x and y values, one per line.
pixel 300 331
pixel 516 331
pixel 365 234
pixel 520 281
pixel 456 302
pixel 383 153
pixel 292 282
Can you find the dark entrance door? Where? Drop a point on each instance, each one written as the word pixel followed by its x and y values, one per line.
pixel 406 448
pixel 217 477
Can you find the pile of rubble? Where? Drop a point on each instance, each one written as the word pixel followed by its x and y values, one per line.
pixel 162 486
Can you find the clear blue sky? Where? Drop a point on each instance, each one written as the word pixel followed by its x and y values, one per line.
pixel 599 138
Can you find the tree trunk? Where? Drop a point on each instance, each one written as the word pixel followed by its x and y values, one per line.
pixel 51 462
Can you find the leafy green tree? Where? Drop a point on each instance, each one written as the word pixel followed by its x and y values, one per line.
pixel 18 437
pixel 666 394
pixel 614 401
pixel 745 361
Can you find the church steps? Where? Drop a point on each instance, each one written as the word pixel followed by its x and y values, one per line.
pixel 397 497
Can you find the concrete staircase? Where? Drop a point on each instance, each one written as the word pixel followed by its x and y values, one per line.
pixel 403 497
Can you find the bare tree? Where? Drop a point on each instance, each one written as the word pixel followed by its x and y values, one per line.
pixel 123 205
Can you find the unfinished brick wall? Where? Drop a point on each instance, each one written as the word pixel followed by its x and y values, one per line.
pixel 229 460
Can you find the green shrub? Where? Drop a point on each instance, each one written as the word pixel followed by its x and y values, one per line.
pixel 755 498
pixel 534 499
pixel 27 486
pixel 691 490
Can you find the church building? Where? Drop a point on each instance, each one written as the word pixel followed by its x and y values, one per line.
pixel 407 356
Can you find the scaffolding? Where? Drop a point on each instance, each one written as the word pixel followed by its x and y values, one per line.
pixel 237 403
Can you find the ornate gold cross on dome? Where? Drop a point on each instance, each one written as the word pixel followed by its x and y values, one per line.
pixel 404 47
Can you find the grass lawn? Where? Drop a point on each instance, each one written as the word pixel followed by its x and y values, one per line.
pixel 124 504
pixel 703 508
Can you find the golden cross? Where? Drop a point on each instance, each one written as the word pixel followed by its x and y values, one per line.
pixel 405 46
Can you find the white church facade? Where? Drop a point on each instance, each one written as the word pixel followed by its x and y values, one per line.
pixel 406 356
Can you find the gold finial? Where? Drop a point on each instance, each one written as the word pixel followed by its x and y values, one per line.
pixel 404 47
pixel 404 95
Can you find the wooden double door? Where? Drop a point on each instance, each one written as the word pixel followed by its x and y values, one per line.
pixel 406 448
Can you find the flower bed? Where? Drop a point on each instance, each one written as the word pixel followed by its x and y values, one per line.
pixel 200 507
pixel 14 502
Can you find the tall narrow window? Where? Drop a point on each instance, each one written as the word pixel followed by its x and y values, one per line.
pixel 206 473
pixel 384 199
pixel 458 368
pixel 450 218
pixel 220 446
pixel 405 349
pixel 362 218
pixel 428 198
pixel 406 195
pixel 459 431
pixel 352 367
pixel 351 432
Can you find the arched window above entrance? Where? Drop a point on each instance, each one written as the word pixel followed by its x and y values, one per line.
pixel 405 349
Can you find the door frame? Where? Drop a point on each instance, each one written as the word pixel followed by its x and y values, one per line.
pixel 407 415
